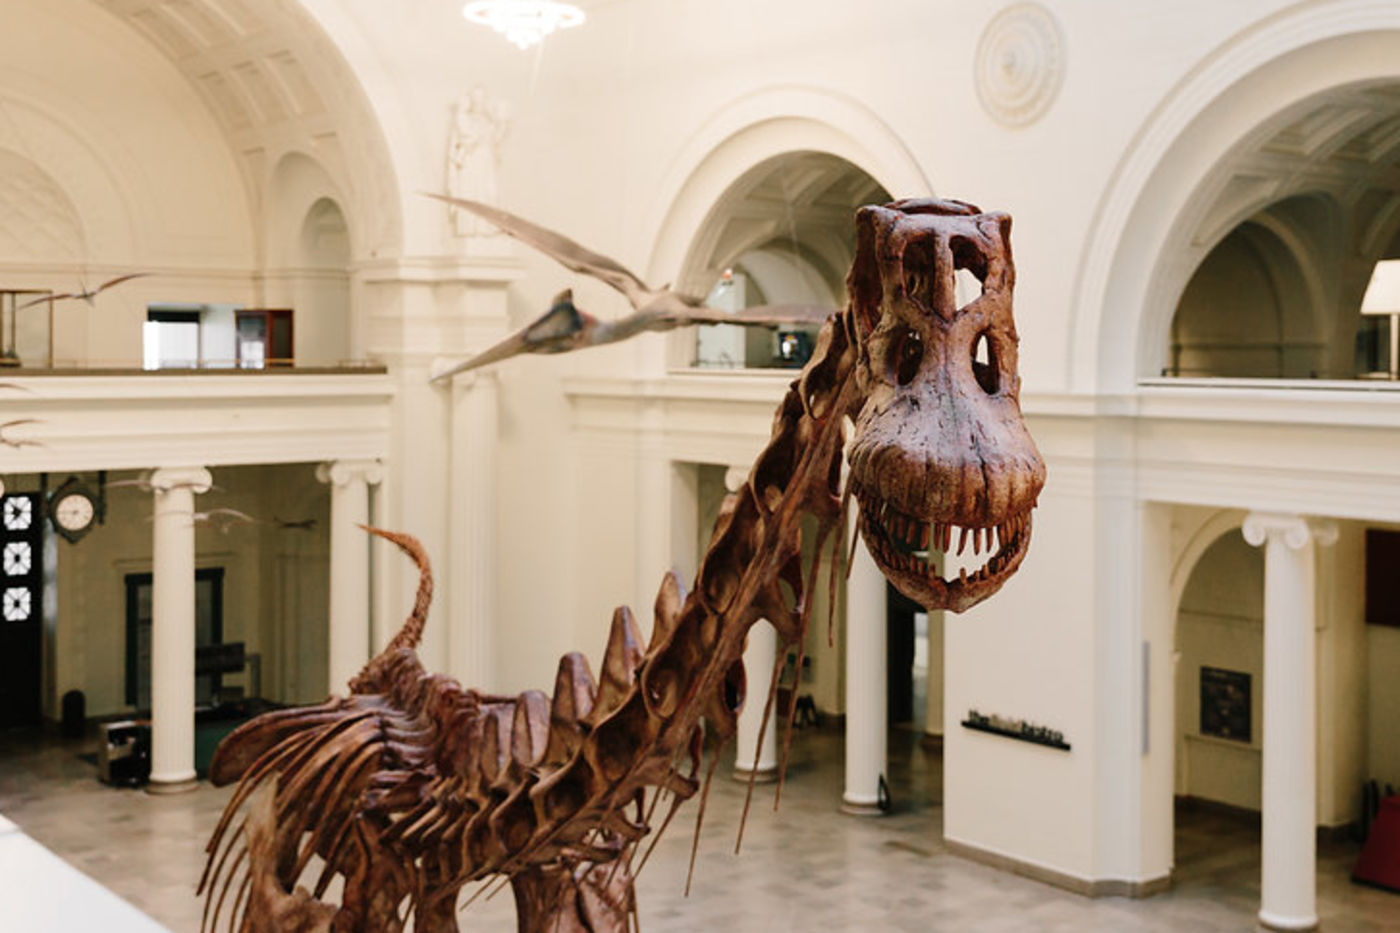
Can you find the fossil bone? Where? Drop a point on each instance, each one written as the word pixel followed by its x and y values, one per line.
pixel 411 787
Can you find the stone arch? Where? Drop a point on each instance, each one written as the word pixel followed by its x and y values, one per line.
pixel 759 126
pixel 1214 527
pixel 310 249
pixel 1261 295
pixel 1133 265
pixel 274 76
pixel 38 220
pixel 295 185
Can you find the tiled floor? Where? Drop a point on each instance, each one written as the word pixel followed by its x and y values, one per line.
pixel 804 868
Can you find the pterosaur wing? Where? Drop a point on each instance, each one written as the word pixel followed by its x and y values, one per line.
pixel 568 253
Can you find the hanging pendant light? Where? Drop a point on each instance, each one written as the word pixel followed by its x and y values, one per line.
pixel 523 22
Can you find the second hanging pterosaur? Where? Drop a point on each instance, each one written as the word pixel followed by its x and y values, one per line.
pixel 564 327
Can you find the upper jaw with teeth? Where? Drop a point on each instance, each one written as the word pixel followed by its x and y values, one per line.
pixel 907 548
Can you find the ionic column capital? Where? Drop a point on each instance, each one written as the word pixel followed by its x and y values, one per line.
pixel 1293 530
pixel 343 472
pixel 197 479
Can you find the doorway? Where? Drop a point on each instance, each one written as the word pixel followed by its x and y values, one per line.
pixel 209 631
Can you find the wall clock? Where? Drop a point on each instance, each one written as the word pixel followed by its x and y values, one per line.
pixel 72 509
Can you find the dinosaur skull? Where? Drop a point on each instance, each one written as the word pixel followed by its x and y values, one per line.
pixel 941 460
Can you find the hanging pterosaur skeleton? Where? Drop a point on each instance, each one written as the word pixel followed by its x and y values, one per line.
pixel 84 293
pixel 564 327
pixel 409 786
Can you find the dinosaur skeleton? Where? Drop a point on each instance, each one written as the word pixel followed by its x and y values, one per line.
pixel 411 787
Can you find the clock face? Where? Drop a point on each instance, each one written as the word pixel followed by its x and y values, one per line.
pixel 73 512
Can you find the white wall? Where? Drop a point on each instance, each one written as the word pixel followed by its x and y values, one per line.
pixel 275 583
pixel 137 176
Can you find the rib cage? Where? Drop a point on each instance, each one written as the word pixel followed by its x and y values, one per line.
pixel 412 786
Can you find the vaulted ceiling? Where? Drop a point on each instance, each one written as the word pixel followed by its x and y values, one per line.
pixel 276 83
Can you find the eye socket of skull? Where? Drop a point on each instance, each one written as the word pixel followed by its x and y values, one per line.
pixel 864 284
pixel 920 272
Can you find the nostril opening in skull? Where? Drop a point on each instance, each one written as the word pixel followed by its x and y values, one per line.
pixel 984 364
pixel 906 353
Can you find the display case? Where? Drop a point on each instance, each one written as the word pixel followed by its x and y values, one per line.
pixel 265 337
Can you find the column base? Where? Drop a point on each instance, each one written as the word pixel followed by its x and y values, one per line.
pixel 766 775
pixel 1268 921
pixel 177 786
pixel 859 808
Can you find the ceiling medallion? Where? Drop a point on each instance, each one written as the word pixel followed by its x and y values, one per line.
pixel 1020 64
pixel 524 22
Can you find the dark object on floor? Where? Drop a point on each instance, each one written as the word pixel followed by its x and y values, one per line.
pixel 124 754
pixel 74 714
pixel 1379 862
pixel 1370 804
pixel 806 713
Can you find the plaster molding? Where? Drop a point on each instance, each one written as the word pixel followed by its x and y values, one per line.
pixel 1020 64
pixel 735 476
pixel 341 473
pixel 128 421
pixel 197 479
pixel 440 270
pixel 1295 531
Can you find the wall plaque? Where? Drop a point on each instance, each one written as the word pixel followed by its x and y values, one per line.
pixel 1225 704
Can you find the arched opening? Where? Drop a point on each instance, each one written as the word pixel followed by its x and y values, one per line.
pixel 1255 306
pixel 781 233
pixel 323 290
pixel 1267 119
pixel 1220 666
pixel 1280 251
pixel 1218 698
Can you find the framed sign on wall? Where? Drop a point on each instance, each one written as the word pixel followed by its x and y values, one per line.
pixel 1225 704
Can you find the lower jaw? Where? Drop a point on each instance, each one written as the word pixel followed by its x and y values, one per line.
pixel 918 578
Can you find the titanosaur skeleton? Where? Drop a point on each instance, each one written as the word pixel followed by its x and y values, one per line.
pixel 411 787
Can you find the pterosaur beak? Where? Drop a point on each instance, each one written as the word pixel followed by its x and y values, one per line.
pixel 511 346
pixel 551 332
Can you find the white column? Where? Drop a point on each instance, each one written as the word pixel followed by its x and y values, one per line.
pixel 349 634
pixel 866 673
pixel 472 531
pixel 760 654
pixel 933 683
pixel 1288 889
pixel 653 504
pixel 172 627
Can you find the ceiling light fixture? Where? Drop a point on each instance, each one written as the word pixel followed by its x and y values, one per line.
pixel 524 22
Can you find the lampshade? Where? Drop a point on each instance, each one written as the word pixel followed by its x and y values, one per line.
pixel 1383 294
pixel 523 22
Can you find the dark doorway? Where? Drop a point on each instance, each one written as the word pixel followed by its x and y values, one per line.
pixel 21 608
pixel 209 630
pixel 900 647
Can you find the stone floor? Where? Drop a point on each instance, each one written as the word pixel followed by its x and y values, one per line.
pixel 804 868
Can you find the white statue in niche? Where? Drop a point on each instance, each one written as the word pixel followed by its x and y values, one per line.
pixel 479 126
